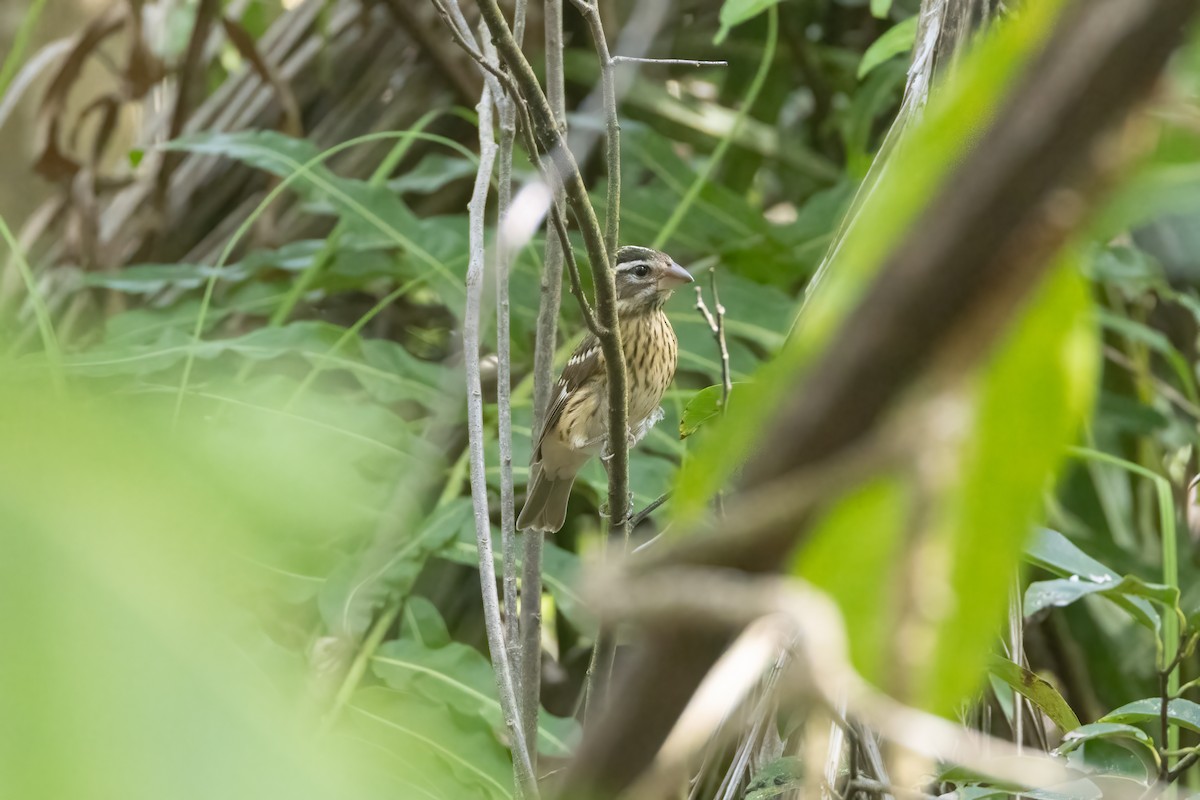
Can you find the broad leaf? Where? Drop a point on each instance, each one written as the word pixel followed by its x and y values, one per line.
pixel 449 755
pixel 1181 712
pixel 1037 690
pixel 389 568
pixel 461 678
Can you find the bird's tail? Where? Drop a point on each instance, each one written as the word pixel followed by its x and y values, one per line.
pixel 545 508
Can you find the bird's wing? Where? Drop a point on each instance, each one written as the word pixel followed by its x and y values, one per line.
pixel 584 364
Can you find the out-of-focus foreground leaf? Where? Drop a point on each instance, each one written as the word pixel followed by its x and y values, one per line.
pixel 125 547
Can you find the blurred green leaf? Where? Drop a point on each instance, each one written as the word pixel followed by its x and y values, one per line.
pixel 931 149
pixel 735 12
pixel 873 517
pixel 775 779
pixel 1033 397
pixel 133 582
pixel 897 40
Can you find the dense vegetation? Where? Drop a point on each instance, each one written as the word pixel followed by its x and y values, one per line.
pixel 239 554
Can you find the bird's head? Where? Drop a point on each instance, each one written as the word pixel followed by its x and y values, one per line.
pixel 645 279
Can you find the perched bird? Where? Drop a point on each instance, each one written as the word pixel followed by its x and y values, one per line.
pixel 576 421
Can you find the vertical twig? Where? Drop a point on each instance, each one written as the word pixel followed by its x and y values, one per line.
pixel 524 626
pixel 716 324
pixel 522 762
pixel 504 255
pixel 552 268
pixel 543 382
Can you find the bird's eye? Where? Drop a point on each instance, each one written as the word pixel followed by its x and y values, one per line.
pixel 641 270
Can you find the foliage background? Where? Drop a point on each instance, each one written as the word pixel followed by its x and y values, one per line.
pixel 252 497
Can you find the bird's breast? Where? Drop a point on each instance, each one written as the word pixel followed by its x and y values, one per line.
pixel 651 354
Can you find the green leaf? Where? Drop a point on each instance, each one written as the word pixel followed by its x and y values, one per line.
pixel 1052 551
pixel 560 575
pixel 1032 399
pixel 461 678
pixel 1056 553
pixel 1063 592
pixel 435 171
pixel 881 8
pixel 350 597
pixel 735 12
pixel 872 516
pixel 147 574
pixel 1158 342
pixel 371 211
pixel 897 40
pixel 705 405
pixel 775 779
pixel 450 755
pixel 1103 730
pixel 1181 712
pixel 423 624
pixel 1037 690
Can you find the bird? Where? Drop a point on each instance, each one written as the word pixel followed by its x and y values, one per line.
pixel 575 428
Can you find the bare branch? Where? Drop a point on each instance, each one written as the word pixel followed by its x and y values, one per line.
pixel 522 762
pixel 716 324
pixel 552 268
pixel 683 62
pixel 504 258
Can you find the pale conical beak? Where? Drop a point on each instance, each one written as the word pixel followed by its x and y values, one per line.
pixel 675 276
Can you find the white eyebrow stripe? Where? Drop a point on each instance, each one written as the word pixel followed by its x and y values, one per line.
pixel 632 264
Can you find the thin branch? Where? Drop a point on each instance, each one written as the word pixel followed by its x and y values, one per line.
pixel 453 17
pixel 683 62
pixel 522 762
pixel 503 255
pixel 565 253
pixel 653 506
pixel 552 268
pixel 716 324
pixel 524 626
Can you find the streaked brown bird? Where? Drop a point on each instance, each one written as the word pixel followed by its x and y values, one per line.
pixel 576 422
